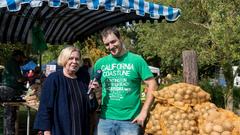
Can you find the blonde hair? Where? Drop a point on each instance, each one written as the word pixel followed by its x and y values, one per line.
pixel 65 55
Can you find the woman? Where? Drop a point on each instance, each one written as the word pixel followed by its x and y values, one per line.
pixel 64 106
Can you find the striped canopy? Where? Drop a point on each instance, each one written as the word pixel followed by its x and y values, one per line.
pixel 72 20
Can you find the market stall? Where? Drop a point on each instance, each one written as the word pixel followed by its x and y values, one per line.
pixel 27 106
pixel 29 101
pixel 58 22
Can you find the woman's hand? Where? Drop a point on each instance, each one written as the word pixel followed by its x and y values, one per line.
pixel 93 86
pixel 47 133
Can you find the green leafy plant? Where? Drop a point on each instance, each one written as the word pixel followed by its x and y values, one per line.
pixel 236 99
pixel 217 92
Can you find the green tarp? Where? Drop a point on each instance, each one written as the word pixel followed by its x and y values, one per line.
pixel 39 44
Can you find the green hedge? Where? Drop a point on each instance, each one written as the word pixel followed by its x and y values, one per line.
pixel 236 98
pixel 216 92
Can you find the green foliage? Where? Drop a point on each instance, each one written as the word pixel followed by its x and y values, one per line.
pixel 6 50
pixel 167 42
pixel 216 92
pixel 211 28
pixel 236 98
pixel 52 53
pixel 92 48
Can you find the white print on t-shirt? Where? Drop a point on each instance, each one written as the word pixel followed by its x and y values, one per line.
pixel 118 84
pixel 120 66
pixel 121 69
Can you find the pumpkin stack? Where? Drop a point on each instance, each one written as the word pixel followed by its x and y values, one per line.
pixel 185 109
pixel 32 96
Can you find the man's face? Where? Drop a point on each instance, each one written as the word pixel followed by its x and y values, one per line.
pixel 113 44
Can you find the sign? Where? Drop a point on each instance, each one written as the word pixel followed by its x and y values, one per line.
pixel 50 69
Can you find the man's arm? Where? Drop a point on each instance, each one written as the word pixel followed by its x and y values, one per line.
pixel 151 87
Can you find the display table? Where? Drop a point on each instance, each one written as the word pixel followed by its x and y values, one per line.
pixel 25 104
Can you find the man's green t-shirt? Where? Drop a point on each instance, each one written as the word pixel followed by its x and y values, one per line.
pixel 121 85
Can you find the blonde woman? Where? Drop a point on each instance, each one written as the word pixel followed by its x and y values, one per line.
pixel 64 106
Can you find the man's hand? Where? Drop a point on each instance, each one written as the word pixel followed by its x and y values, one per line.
pixel 140 119
pixel 151 86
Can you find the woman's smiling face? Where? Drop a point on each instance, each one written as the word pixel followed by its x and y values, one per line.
pixel 73 62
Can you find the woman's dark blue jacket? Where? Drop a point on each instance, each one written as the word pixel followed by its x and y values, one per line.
pixel 53 113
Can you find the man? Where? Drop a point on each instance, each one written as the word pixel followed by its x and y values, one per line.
pixel 13 82
pixel 122 73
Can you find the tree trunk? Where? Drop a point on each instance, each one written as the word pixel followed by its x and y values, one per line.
pixel 190 70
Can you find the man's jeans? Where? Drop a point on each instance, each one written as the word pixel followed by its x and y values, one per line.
pixel 116 127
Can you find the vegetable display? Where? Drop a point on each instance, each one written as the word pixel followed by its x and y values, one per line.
pixel 185 109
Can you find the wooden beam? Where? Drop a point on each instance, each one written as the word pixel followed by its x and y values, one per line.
pixel 190 69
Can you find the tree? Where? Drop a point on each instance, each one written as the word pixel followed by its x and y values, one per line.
pixel 52 53
pixel 211 28
pixel 92 48
pixel 7 48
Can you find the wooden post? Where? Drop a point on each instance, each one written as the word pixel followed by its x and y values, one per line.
pixel 190 69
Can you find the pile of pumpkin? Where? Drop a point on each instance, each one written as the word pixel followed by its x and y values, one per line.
pixel 185 109
pixel 32 95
